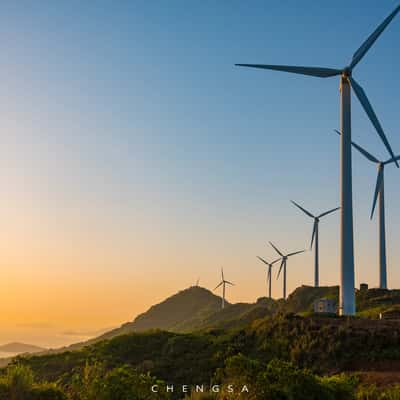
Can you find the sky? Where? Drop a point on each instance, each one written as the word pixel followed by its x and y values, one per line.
pixel 135 158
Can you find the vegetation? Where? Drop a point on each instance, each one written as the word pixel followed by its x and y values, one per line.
pixel 18 383
pixel 196 308
pixel 272 381
pixel 277 354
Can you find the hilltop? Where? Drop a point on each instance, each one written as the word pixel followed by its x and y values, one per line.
pixel 370 303
pixel 301 300
pixel 198 309
pixel 182 311
pixel 189 310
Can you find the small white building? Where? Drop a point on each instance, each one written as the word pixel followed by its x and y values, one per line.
pixel 325 306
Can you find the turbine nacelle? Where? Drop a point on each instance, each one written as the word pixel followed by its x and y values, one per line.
pixel 380 166
pixel 346 72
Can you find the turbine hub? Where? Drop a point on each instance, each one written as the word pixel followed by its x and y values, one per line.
pixel 346 72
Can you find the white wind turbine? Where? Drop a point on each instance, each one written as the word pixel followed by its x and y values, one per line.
pixel 223 283
pixel 347 292
pixel 284 258
pixel 315 235
pixel 269 273
pixel 379 194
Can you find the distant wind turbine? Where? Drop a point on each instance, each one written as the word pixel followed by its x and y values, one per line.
pixel 379 194
pixel 284 258
pixel 223 283
pixel 198 281
pixel 315 235
pixel 269 273
pixel 347 293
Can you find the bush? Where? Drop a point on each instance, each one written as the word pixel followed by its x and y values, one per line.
pixel 371 392
pixel 282 380
pixel 47 391
pixel 342 387
pixel 95 382
pixel 18 384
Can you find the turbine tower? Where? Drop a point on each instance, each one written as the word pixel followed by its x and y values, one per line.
pixel 315 235
pixel 347 291
pixel 223 283
pixel 284 258
pixel 269 273
pixel 379 194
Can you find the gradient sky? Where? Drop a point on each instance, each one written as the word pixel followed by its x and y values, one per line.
pixel 136 158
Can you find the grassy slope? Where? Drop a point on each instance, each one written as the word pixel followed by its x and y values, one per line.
pixel 197 309
pixel 192 309
pixel 325 345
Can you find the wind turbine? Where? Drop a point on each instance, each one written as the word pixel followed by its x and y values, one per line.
pixel 315 235
pixel 269 271
pixel 284 258
pixel 223 283
pixel 347 293
pixel 197 282
pixel 379 194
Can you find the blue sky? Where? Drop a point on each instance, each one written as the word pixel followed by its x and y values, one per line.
pixel 130 138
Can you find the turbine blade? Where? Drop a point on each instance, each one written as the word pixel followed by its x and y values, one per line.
pixel 222 273
pixel 230 283
pixel 269 274
pixel 391 160
pixel 275 261
pixel 360 53
pixel 313 234
pixel 296 252
pixel 365 153
pixel 280 268
pixel 276 249
pixel 362 97
pixel 218 285
pixel 379 181
pixel 362 151
pixel 311 71
pixel 328 212
pixel 302 209
pixel 261 259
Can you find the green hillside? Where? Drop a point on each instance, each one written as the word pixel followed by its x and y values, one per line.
pixel 183 311
pixel 301 299
pixel 310 348
pixel 186 308
pixel 372 302
pixel 369 303
pixel 197 308
pixel 279 346
pixel 191 309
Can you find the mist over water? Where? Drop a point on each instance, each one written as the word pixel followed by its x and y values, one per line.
pixel 4 354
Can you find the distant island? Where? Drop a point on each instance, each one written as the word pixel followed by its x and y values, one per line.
pixel 20 348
